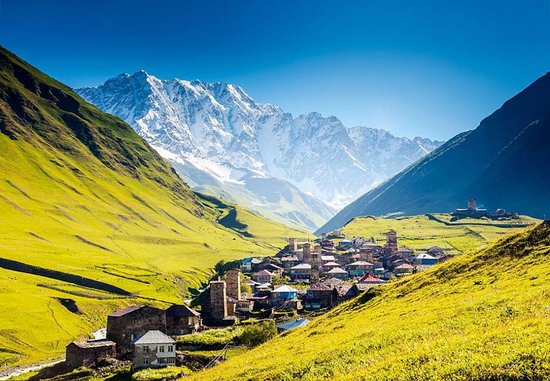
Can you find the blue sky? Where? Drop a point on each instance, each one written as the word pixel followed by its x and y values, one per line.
pixel 415 68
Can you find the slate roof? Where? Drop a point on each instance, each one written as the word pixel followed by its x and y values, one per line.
pixel 94 343
pixel 329 258
pixel 180 310
pixel 361 263
pixel 293 324
pixel 155 337
pixel 284 288
pixel 302 266
pixel 126 311
pixel 368 278
pixel 425 256
pixel 263 272
pixel 337 270
pixel 405 266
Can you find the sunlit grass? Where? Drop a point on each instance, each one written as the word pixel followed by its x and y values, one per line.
pixel 479 316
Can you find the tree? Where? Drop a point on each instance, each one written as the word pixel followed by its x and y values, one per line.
pixel 254 335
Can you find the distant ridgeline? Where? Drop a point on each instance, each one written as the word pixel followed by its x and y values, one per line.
pixel 504 162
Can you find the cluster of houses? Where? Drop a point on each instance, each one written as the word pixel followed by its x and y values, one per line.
pixel 143 334
pixel 303 276
pixel 472 211
pixel 312 275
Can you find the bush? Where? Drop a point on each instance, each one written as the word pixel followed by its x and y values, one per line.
pixel 254 335
pixel 169 373
pixel 211 339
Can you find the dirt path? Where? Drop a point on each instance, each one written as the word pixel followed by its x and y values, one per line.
pixel 6 374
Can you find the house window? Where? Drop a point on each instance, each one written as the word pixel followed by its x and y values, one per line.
pixel 161 348
pixel 146 348
pixel 170 348
pixel 162 360
pixel 146 361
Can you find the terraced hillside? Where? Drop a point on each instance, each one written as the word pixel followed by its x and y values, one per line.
pixel 424 231
pixel 91 218
pixel 479 316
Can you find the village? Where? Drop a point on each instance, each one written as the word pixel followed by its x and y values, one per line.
pixel 304 279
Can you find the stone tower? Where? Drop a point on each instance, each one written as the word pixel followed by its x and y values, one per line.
pixel 315 264
pixel 293 244
pixel 233 280
pixel 306 253
pixel 218 306
pixel 391 242
pixel 472 205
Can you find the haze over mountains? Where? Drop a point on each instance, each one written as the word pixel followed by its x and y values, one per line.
pixel 504 163
pixel 222 142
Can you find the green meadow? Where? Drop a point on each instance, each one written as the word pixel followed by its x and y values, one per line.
pixel 423 231
pixel 483 315
pixel 88 203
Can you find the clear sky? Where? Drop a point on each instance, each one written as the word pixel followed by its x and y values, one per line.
pixel 416 68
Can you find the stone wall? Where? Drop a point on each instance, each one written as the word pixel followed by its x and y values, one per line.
pixel 125 329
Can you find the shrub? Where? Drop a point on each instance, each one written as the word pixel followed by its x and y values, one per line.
pixel 254 335
pixel 211 339
pixel 169 373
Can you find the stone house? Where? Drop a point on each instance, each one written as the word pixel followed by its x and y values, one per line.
pixel 359 268
pixel 181 320
pixel 329 266
pixel 283 295
pixel 262 276
pixel 320 295
pixel 126 325
pixel 244 306
pixel 403 269
pixel 249 264
pixel 301 272
pixel 85 353
pixel 289 261
pixel 154 349
pixel 337 272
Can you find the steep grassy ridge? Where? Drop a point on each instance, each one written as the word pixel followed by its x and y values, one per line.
pixel 81 193
pixel 479 316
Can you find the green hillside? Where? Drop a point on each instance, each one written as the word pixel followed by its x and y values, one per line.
pixel 83 195
pixel 425 231
pixel 479 316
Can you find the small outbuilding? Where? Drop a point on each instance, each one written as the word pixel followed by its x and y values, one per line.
pixel 84 353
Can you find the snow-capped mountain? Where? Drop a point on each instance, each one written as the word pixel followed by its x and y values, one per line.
pixel 222 141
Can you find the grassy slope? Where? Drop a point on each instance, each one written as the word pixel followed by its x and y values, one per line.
pixel 81 193
pixel 483 316
pixel 421 232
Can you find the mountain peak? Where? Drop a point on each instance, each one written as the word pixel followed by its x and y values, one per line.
pixel 224 132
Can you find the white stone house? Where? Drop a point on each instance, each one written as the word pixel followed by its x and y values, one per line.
pixel 155 349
